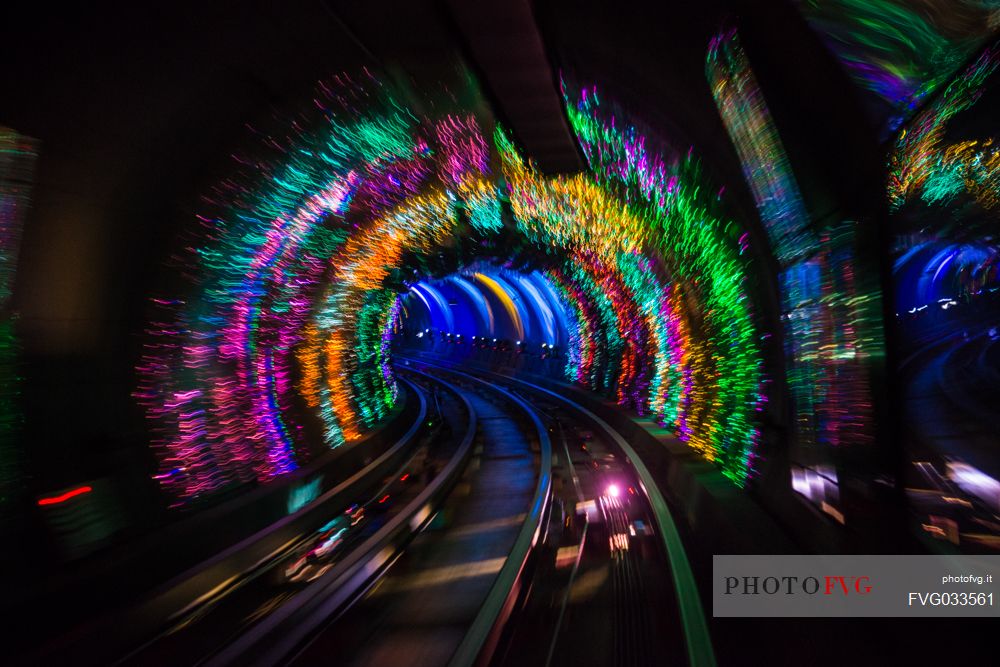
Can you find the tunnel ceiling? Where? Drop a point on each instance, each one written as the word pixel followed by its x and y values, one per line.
pixel 196 138
pixel 175 87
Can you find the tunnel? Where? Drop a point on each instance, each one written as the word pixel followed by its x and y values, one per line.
pixel 517 333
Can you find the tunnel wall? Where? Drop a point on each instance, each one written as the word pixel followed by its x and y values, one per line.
pixel 281 345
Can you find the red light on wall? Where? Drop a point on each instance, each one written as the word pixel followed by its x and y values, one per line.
pixel 55 500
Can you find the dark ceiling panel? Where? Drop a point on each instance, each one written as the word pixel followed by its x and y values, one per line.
pixel 505 43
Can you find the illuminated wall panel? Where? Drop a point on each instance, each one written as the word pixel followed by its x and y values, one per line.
pixel 17 164
pixel 832 320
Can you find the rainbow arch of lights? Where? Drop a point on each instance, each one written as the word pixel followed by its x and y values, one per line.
pixel 280 345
